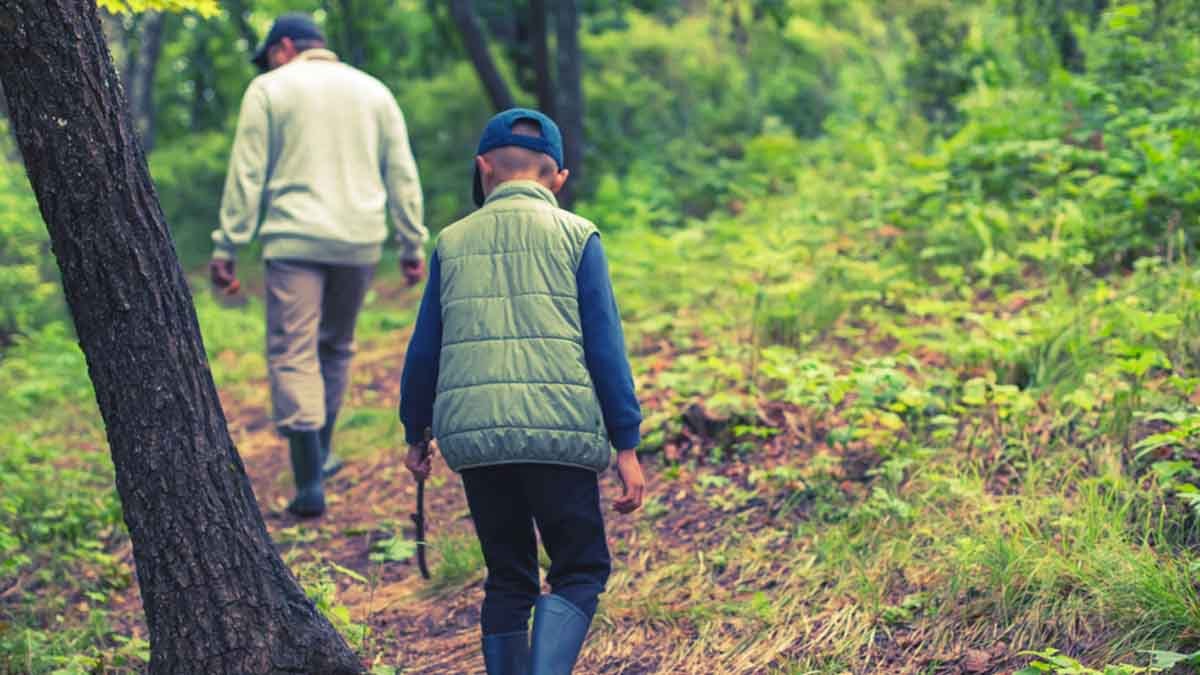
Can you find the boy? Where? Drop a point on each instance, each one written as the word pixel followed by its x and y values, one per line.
pixel 518 364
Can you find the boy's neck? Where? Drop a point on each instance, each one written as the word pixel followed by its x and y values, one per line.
pixel 518 179
pixel 522 186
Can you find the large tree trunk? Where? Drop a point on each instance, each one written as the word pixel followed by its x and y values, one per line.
pixel 570 99
pixel 476 44
pixel 140 78
pixel 542 65
pixel 218 599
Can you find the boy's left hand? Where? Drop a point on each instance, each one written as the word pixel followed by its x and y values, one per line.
pixel 419 461
pixel 632 480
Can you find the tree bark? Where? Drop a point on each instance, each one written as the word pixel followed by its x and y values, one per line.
pixel 476 44
pixel 538 35
pixel 217 597
pixel 570 100
pixel 140 78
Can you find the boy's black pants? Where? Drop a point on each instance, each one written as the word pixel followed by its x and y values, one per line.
pixel 506 501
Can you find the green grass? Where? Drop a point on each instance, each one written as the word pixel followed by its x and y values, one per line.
pixel 58 545
pixel 457 560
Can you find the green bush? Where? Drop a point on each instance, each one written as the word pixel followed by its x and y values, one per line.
pixel 189 176
pixel 669 108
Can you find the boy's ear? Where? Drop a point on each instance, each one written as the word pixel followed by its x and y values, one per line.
pixel 559 180
pixel 483 178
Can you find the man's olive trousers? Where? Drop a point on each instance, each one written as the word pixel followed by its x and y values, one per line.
pixel 311 312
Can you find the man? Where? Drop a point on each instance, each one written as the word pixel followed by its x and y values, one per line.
pixel 321 149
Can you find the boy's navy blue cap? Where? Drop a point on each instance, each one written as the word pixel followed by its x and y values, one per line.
pixel 498 133
pixel 295 26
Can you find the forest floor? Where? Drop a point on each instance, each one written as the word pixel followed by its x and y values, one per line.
pixel 680 541
pixel 421 626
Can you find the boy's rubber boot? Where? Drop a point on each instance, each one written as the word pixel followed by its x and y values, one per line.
pixel 559 629
pixel 305 447
pixel 330 463
pixel 506 653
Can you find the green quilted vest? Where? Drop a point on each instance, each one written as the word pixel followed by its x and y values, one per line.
pixel 513 385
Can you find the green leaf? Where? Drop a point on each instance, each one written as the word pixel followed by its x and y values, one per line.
pixel 395 549
pixel 205 8
pixel 1161 659
pixel 349 572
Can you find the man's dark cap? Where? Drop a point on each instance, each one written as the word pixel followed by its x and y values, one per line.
pixel 498 133
pixel 296 26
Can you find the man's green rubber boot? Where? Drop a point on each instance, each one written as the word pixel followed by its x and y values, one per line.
pixel 305 447
pixel 330 463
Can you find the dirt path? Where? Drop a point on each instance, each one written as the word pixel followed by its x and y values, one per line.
pixel 370 500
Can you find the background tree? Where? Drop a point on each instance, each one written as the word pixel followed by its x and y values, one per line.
pixel 347 34
pixel 563 100
pixel 570 96
pixel 475 43
pixel 940 69
pixel 217 597
pixel 539 37
pixel 139 76
pixel 237 11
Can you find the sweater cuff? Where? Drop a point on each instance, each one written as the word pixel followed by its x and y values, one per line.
pixel 627 437
pixel 224 253
pixel 414 435
pixel 413 254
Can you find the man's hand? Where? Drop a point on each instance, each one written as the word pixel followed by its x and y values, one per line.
pixel 419 461
pixel 414 271
pixel 632 480
pixel 223 276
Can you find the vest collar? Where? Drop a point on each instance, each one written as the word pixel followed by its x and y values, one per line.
pixel 317 54
pixel 521 188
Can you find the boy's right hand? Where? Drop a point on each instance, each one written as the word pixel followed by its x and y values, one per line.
pixel 632 480
pixel 413 271
pixel 419 461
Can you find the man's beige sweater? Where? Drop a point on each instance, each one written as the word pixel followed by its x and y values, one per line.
pixel 322 153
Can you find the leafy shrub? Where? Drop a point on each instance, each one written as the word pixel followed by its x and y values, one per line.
pixel 189 176
pixel 669 108
pixel 29 295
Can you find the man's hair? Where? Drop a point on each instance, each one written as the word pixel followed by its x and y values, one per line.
pixel 512 160
pixel 306 44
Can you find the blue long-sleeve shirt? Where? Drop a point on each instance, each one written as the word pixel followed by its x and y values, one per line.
pixel 603 347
